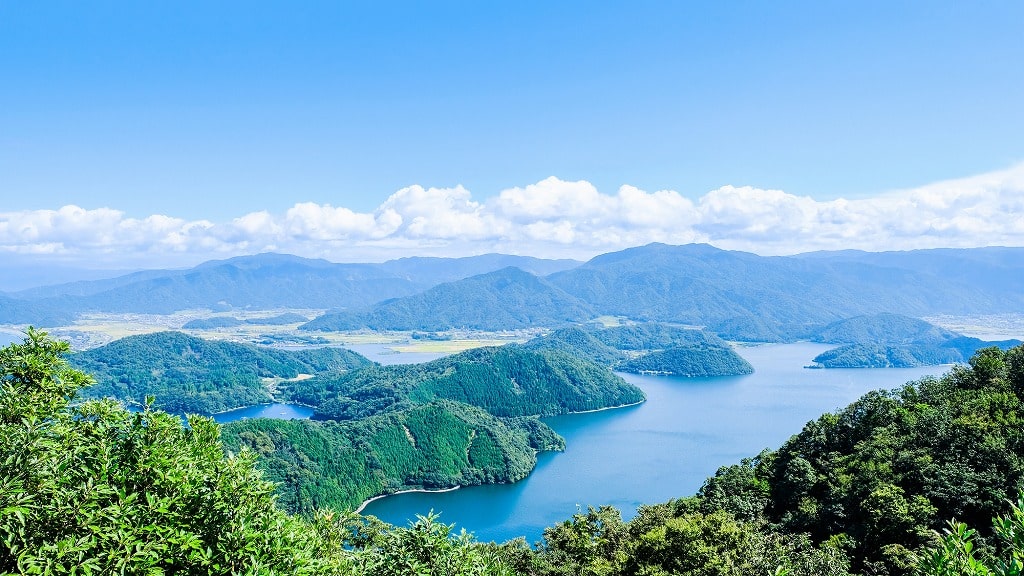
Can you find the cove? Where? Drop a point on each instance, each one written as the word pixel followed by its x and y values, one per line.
pixel 658 450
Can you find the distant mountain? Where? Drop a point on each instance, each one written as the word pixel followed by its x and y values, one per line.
pixel 884 328
pixel 702 285
pixel 231 322
pixel 503 300
pixel 212 323
pixel 433 271
pixel 739 295
pixel 16 311
pixel 994 271
pixel 191 375
pixel 263 281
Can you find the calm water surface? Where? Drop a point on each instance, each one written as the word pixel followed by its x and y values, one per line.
pixel 280 411
pixel 661 449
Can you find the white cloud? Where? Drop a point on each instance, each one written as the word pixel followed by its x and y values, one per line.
pixel 552 218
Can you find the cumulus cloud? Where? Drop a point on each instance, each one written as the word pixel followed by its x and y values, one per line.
pixel 551 218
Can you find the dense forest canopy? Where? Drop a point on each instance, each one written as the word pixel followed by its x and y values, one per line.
pixel 648 347
pixel 440 444
pixel 506 381
pixel 192 375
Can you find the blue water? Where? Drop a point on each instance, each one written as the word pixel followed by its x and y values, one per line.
pixel 281 411
pixel 661 449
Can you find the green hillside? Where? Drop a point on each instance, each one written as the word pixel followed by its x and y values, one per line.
pixel 654 336
pixel 506 381
pixel 882 328
pixel 648 348
pixel 954 350
pixel 437 445
pixel 579 343
pixel 191 375
pixel 865 490
pixel 690 361
pixel 507 299
pixel 894 341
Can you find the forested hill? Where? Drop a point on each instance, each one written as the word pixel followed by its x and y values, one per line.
pixel 894 341
pixel 506 381
pixel 884 328
pixel 41 313
pixel 648 348
pixel 691 361
pixel 441 444
pixel 263 281
pixel 738 295
pixel 191 375
pixel 506 299
pixel 702 285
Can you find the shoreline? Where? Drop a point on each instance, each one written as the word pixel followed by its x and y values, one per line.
pixel 601 409
pixel 366 502
pixel 410 491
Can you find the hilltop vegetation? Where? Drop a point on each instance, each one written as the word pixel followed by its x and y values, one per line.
pixel 437 445
pixel 195 376
pixel 506 381
pixel 648 348
pixel 884 328
pixel 690 361
pixel 579 343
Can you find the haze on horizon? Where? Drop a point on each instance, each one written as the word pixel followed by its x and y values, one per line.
pixel 163 136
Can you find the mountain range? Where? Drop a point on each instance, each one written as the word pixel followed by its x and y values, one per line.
pixel 737 295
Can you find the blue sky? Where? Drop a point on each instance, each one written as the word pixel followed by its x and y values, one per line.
pixel 203 113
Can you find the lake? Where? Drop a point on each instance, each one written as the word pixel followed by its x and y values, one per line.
pixel 280 411
pixel 658 450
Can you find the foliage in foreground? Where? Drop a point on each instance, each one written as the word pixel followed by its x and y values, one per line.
pixel 91 488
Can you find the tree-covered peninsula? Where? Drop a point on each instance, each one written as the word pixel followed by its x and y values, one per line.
pixel 437 445
pixel 648 348
pixel 191 375
pixel 690 361
pixel 506 381
pixel 894 341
